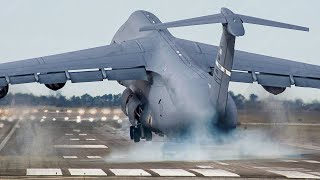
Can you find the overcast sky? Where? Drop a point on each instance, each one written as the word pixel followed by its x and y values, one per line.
pixel 36 28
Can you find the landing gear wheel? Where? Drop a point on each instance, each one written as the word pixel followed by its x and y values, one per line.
pixel 148 134
pixel 136 134
pixel 131 132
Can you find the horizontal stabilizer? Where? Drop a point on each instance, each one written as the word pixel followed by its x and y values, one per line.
pixel 225 17
pixel 264 22
pixel 211 19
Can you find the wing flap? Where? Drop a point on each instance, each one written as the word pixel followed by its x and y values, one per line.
pixel 89 76
pixel 52 78
pixel 22 79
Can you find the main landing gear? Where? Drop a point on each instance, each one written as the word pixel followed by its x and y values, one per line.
pixel 139 132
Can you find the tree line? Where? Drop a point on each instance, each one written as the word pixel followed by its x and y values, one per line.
pixel 114 100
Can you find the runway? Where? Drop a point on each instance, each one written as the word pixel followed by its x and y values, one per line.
pixel 55 148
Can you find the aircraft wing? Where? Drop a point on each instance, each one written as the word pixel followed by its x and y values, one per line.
pixel 249 67
pixel 123 61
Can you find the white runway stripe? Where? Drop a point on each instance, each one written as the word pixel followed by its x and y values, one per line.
pixel 70 157
pixel 311 161
pixel 68 134
pixel 288 160
pixel 130 172
pixel 87 172
pixel 43 172
pixel 94 157
pixel 76 130
pixel 82 134
pixel 215 173
pixel 90 139
pixel 205 167
pixel 295 174
pixel 221 163
pixel 172 172
pixel 74 139
pixel 82 146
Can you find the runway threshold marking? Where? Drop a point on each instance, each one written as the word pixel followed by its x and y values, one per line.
pixel 82 134
pixel 68 134
pixel 90 139
pixel 81 146
pixel 295 174
pixel 6 139
pixel 215 173
pixel 87 172
pixel 130 172
pixel 172 172
pixel 43 172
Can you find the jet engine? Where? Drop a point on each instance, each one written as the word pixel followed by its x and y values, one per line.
pixel 55 86
pixel 274 90
pixel 126 95
pixel 3 91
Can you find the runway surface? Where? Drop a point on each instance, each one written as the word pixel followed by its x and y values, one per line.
pixel 56 148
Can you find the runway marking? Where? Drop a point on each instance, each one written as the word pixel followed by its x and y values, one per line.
pixel 288 160
pixel 82 134
pixel 130 172
pixel 172 172
pixel 294 174
pixel 311 161
pixel 43 172
pixel 82 146
pixel 221 163
pixel 304 146
pixel 90 139
pixel 215 173
pixel 87 172
pixel 94 157
pixel 76 130
pixel 67 134
pixel 70 157
pixel 205 167
pixel 74 139
pixel 6 139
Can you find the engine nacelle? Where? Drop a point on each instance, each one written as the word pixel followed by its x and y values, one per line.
pixel 56 86
pixel 126 95
pixel 4 91
pixel 133 110
pixel 274 90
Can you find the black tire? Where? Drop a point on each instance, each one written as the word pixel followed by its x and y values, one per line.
pixel 131 132
pixel 148 134
pixel 136 134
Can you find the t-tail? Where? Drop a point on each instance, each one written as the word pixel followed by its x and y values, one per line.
pixel 232 27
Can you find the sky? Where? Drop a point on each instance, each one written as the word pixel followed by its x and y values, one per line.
pixel 36 28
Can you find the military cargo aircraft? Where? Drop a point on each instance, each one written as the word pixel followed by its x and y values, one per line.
pixel 172 84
